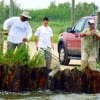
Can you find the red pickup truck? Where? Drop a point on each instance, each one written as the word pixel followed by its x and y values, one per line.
pixel 69 43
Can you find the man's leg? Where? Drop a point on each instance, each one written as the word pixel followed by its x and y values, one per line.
pixel 11 46
pixel 48 57
pixel 92 61
pixel 84 59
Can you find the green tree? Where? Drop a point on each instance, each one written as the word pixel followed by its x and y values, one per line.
pixel 3 12
pixel 52 5
pixel 85 9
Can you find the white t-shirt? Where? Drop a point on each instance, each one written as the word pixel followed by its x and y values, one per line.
pixel 44 34
pixel 18 29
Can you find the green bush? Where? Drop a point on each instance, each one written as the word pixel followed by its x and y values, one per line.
pixel 21 55
pixel 38 60
pixel 8 58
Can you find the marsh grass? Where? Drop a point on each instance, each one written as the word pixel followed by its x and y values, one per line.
pixel 38 60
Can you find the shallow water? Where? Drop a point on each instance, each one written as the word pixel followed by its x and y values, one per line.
pixel 40 95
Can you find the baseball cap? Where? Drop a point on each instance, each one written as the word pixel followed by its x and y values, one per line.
pixel 91 21
pixel 26 14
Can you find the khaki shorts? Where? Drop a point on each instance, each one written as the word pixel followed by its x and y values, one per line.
pixel 48 56
pixel 88 56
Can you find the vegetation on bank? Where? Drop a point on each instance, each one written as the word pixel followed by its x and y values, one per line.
pixel 19 73
pixel 59 15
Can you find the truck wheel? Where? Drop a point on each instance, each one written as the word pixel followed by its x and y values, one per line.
pixel 63 55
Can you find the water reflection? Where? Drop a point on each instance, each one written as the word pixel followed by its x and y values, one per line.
pixel 47 95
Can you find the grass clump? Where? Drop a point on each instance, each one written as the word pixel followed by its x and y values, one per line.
pixel 21 55
pixel 38 60
pixel 8 58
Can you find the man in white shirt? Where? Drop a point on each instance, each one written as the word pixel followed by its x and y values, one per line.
pixel 19 30
pixel 44 40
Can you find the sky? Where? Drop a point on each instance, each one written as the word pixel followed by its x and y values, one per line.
pixel 39 4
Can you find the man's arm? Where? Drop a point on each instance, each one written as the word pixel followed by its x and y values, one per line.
pixel 36 37
pixel 7 24
pixel 36 42
pixel 28 33
pixel 5 32
pixel 97 34
pixel 52 43
pixel 84 33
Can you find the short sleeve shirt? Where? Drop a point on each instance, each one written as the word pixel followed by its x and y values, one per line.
pixel 44 34
pixel 89 43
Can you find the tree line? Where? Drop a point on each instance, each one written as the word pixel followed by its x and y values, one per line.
pixel 61 12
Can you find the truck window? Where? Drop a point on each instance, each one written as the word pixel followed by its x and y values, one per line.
pixel 80 25
pixel 86 24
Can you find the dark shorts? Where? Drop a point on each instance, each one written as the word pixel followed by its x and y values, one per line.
pixel 12 46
